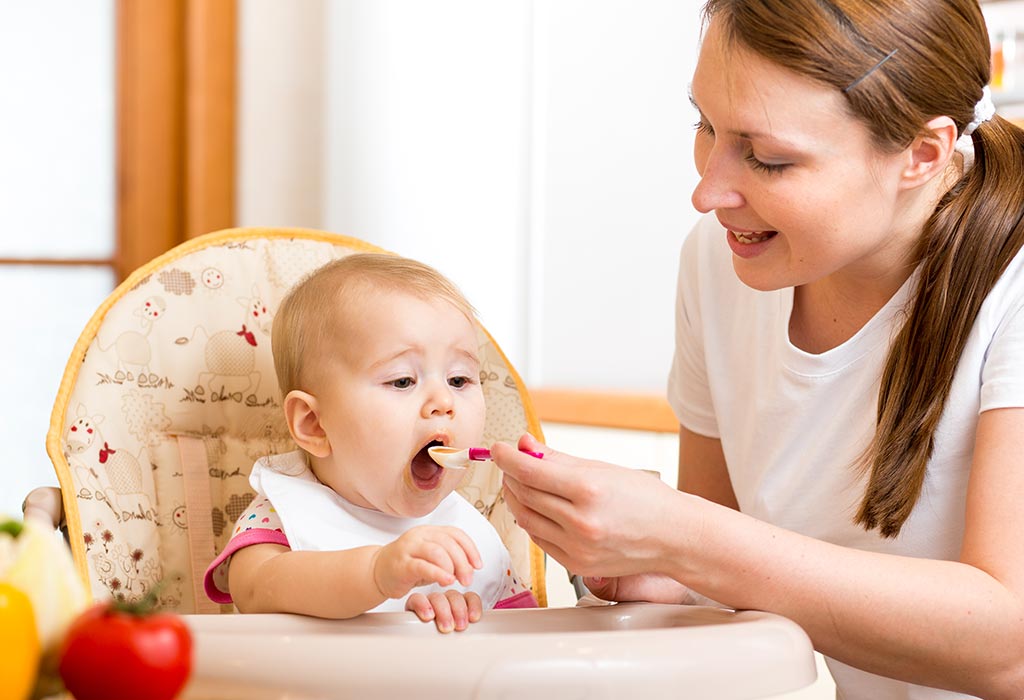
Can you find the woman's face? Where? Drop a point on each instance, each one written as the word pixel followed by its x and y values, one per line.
pixel 795 179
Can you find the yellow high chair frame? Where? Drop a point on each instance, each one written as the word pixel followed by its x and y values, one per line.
pixel 169 396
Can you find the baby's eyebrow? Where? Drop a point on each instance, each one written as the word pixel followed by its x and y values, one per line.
pixel 392 357
pixel 471 356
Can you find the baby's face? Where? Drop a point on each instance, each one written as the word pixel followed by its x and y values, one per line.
pixel 405 375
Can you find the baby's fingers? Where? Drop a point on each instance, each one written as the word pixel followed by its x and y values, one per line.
pixel 462 552
pixel 443 617
pixel 460 609
pixel 474 606
pixel 425 570
pixel 419 604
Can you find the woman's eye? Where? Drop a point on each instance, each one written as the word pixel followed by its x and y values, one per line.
pixel 458 382
pixel 761 166
pixel 402 383
pixel 703 127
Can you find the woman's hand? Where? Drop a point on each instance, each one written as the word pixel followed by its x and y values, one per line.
pixel 450 610
pixel 651 588
pixel 595 518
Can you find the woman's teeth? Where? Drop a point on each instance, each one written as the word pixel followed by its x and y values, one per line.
pixel 755 237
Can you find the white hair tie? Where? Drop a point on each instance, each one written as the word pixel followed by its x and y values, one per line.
pixel 983 111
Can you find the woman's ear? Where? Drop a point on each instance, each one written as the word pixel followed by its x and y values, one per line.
pixel 302 413
pixel 930 153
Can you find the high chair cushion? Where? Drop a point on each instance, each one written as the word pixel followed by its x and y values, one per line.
pixel 170 396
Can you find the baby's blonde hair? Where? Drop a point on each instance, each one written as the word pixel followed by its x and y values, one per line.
pixel 309 315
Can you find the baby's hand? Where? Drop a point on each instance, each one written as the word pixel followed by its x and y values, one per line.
pixel 450 610
pixel 425 555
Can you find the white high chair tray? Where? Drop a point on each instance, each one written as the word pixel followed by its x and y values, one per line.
pixel 614 651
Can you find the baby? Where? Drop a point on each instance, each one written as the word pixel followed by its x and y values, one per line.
pixel 377 359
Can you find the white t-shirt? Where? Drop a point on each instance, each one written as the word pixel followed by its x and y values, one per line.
pixel 792 424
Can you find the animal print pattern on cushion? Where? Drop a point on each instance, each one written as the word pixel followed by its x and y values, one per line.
pixel 183 348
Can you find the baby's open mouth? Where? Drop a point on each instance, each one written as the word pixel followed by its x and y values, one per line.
pixel 426 473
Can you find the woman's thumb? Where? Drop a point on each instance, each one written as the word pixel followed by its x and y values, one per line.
pixel 532 444
pixel 603 588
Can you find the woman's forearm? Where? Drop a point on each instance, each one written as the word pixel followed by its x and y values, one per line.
pixel 936 623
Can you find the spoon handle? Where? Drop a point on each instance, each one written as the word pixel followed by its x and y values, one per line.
pixel 479 454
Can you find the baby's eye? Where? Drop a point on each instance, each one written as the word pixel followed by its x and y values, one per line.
pixel 402 382
pixel 458 382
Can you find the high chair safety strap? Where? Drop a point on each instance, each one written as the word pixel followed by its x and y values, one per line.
pixel 195 469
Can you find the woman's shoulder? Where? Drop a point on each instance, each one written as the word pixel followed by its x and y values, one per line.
pixel 1006 297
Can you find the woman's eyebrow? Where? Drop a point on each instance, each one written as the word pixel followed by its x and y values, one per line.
pixel 748 134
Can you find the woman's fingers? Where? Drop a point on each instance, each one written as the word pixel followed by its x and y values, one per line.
pixel 529 442
pixel 536 522
pixel 603 588
pixel 554 474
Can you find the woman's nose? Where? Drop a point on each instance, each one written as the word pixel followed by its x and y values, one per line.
pixel 717 188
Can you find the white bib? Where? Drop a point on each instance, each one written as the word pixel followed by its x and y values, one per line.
pixel 315 518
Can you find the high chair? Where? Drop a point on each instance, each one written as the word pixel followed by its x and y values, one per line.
pixel 168 399
pixel 170 396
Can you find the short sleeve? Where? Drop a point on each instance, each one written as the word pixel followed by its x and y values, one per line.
pixel 1002 379
pixel 259 524
pixel 689 393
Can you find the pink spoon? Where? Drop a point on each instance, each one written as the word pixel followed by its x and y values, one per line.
pixel 456 458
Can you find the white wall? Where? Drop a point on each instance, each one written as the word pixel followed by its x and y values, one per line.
pixel 281 98
pixel 426 141
pixel 536 152
pixel 615 172
pixel 57 189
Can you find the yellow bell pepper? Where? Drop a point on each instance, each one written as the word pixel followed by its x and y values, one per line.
pixel 34 560
pixel 19 639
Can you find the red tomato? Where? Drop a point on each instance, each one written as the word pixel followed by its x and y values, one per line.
pixel 110 654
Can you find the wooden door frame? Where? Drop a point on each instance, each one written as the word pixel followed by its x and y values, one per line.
pixel 175 123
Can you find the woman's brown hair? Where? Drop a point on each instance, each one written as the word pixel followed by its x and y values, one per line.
pixel 940 66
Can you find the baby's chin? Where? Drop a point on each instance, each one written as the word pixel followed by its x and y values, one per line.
pixel 417 503
pixel 420 509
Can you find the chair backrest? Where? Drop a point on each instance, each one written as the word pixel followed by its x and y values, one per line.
pixel 170 396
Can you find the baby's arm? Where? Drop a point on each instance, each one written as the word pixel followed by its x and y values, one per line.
pixel 273 578
pixel 346 583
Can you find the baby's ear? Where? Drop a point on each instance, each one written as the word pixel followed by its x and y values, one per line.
pixel 302 413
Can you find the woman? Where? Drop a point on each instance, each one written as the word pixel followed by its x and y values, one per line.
pixel 848 373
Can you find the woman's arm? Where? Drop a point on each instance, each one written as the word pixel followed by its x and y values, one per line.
pixel 956 625
pixel 702 469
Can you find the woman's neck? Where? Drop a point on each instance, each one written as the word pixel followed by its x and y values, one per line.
pixel 828 312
